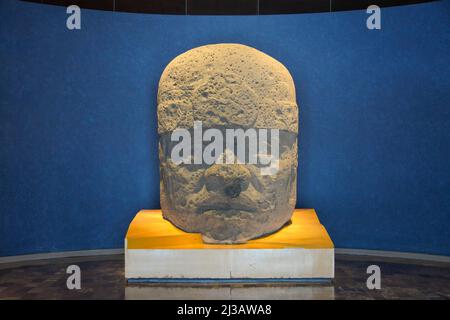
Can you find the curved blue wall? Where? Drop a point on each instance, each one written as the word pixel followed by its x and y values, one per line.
pixel 78 125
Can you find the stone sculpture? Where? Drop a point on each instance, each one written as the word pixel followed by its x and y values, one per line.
pixel 227 87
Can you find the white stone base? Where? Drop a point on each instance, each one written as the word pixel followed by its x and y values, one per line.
pixel 157 251
pixel 229 263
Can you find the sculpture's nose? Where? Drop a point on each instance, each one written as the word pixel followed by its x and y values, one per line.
pixel 229 179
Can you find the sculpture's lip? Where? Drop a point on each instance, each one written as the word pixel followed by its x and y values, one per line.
pixel 229 208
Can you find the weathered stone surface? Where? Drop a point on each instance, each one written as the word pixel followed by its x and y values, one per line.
pixel 227 86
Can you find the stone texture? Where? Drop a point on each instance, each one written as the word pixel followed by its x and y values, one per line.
pixel 227 86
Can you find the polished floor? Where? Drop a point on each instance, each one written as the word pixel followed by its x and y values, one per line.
pixel 103 278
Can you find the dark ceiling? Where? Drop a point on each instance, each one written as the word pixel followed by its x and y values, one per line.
pixel 227 7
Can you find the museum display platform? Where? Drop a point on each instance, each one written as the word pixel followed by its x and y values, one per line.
pixel 157 251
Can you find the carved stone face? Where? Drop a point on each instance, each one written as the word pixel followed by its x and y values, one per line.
pixel 228 86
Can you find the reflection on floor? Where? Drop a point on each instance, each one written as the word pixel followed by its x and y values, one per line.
pixel 103 278
pixel 227 292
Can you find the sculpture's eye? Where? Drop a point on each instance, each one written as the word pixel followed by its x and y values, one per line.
pixel 193 167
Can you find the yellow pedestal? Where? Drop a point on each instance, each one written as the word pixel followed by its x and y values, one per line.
pixel 155 249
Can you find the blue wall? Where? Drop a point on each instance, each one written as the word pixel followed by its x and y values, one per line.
pixel 78 121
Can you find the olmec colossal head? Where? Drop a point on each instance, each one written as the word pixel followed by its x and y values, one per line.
pixel 220 108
